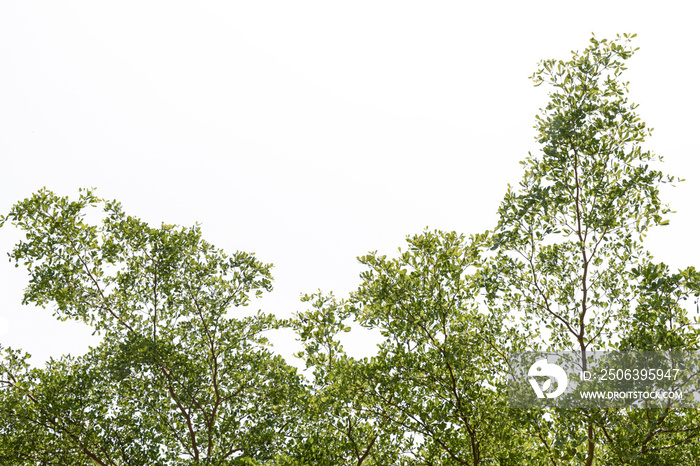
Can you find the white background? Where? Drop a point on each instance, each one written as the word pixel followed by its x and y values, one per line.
pixel 310 132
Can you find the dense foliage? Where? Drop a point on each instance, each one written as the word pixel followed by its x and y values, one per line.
pixel 182 377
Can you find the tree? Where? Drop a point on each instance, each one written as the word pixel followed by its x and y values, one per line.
pixel 441 364
pixel 177 378
pixel 569 241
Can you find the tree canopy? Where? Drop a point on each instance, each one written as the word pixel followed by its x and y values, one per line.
pixel 181 376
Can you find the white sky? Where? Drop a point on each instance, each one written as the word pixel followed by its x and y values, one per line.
pixel 310 132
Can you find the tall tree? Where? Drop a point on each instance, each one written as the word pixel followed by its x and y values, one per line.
pixel 570 239
pixel 178 377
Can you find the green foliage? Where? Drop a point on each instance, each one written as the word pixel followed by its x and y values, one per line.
pixel 179 378
pixel 564 269
pixel 441 364
pixel 341 424
pixel 573 231
pixel 569 247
